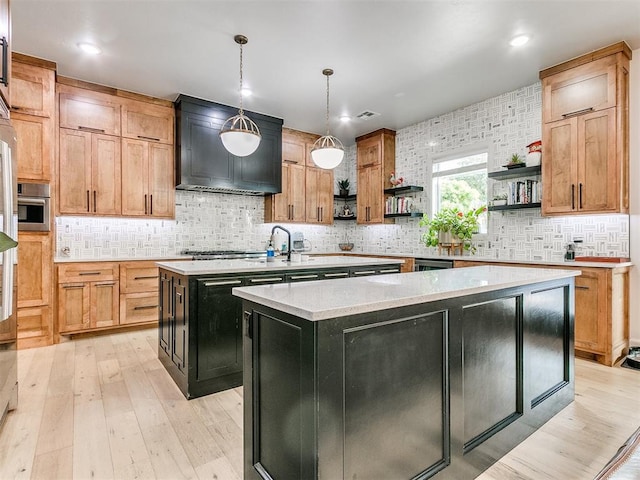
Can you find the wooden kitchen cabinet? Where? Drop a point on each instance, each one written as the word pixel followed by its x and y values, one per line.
pixel 147 121
pixel 147 179
pixel 375 162
pixel 602 309
pixel 88 296
pixel 585 135
pixel 89 167
pixel 319 196
pixel 139 298
pixel 35 146
pixel 89 111
pixel 35 327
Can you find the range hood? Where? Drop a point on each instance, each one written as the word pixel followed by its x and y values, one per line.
pixel 202 162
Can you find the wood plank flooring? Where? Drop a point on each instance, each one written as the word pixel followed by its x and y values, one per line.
pixel 104 408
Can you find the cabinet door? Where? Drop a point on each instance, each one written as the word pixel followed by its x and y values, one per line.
pixel 559 172
pixel 74 172
pixel 35 327
pixel 219 325
pixel 591 311
pixel 32 90
pixel 293 151
pixel 369 152
pixel 145 121
pixel 180 330
pixel 364 187
pixel 588 87
pixel 34 269
pixel 166 320
pixel 319 196
pixel 598 189
pixel 370 205
pixel 279 206
pixel 138 308
pixel 89 111
pixel 105 304
pixel 161 183
pixel 74 307
pixel 135 175
pixel 105 175
pixel 35 146
pixel 297 192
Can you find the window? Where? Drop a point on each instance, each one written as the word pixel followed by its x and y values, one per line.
pixel 460 182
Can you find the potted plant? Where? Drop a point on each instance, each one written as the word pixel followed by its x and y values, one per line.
pixel 451 226
pixel 515 161
pixel 343 186
pixel 499 200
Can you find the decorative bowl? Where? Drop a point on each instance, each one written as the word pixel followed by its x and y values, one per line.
pixel 345 247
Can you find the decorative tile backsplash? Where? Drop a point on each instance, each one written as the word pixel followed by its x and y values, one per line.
pixel 504 125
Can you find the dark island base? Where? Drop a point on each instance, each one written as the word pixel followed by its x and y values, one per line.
pixel 438 390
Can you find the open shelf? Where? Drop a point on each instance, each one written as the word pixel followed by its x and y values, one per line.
pixel 411 214
pixel 345 218
pixel 345 198
pixel 516 206
pixel 400 190
pixel 515 172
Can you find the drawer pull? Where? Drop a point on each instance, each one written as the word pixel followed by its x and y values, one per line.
pixel 145 277
pixel 294 162
pixel 81 285
pixel 107 284
pixel 90 129
pixel 365 272
pixel 331 275
pixel 272 279
pixel 581 287
pixel 228 282
pixel 368 165
pixel 390 270
pixel 142 137
pixel 301 277
pixel 577 112
pixel 90 273
pixel 145 307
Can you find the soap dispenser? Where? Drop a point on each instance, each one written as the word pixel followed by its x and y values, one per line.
pixel 570 254
pixel 271 253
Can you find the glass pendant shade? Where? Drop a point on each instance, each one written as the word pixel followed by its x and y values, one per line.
pixel 240 136
pixel 327 152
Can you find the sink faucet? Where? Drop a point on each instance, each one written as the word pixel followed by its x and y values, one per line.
pixel 288 239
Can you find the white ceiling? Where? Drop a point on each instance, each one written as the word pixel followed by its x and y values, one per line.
pixel 407 60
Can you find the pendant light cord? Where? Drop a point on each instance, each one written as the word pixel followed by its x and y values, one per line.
pixel 327 105
pixel 241 110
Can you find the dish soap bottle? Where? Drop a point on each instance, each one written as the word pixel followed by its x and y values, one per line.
pixel 271 253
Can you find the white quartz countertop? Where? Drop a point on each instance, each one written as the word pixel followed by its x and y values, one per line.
pixel 120 259
pixel 323 299
pixel 206 267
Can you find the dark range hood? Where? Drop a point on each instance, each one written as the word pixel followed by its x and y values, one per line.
pixel 202 162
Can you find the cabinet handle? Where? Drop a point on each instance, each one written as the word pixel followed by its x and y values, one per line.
pixel 262 280
pixel 302 277
pixel 582 287
pixel 295 162
pixel 146 277
pixel 105 284
pixel 5 60
pixel 580 196
pixel 89 273
pixel 390 270
pixel 145 205
pixel 333 275
pixel 88 202
pixel 365 272
pixel 228 282
pixel 94 201
pixel 577 112
pixel 145 307
pixel 151 204
pixel 573 194
pixel 90 129
pixel 142 137
pixel 321 214
pixel 368 165
pixel 81 285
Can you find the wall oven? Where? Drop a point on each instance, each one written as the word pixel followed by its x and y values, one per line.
pixel 34 208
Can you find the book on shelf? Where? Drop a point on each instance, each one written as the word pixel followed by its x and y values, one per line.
pixel 524 192
pixel 394 205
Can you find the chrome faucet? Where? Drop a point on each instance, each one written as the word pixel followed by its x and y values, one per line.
pixel 288 239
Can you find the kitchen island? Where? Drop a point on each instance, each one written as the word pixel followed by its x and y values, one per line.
pixel 414 375
pixel 200 322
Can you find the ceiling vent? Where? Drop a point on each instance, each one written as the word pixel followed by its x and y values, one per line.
pixel 366 115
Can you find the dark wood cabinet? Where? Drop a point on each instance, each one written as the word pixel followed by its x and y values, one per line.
pixel 202 162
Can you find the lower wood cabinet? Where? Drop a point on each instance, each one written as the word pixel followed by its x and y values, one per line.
pixel 602 309
pixel 35 327
pixel 138 292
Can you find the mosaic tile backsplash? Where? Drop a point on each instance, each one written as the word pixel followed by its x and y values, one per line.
pixel 503 125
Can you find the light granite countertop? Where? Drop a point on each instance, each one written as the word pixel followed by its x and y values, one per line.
pixel 206 267
pixel 323 299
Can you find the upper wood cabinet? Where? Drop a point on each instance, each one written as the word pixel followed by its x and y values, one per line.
pixel 147 179
pixel 90 173
pixel 89 111
pixel 35 146
pixel 376 159
pixel 146 121
pixel 5 53
pixel 319 196
pixel 585 134
pixel 33 86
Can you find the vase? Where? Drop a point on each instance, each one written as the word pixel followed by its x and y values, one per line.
pixel 447 238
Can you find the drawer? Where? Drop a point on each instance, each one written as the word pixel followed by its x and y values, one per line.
pixel 136 279
pixel 87 272
pixel 138 308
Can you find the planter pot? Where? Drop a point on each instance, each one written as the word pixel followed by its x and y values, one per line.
pixel 447 238
pixel 499 203
pixel 344 193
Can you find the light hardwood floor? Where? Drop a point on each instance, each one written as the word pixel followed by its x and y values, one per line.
pixel 104 408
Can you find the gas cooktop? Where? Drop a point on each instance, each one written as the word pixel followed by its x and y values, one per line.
pixel 223 254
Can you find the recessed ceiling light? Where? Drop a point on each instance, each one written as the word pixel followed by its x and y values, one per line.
pixel 519 41
pixel 246 92
pixel 89 48
pixel 345 118
pixel 433 143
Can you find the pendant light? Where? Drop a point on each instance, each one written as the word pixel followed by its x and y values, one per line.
pixel 327 152
pixel 239 134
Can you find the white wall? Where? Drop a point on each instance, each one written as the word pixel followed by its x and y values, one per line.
pixel 634 192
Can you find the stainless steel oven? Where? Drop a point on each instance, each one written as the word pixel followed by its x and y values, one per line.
pixel 34 209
